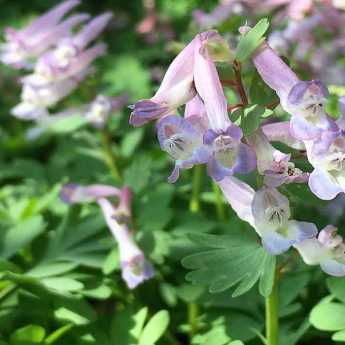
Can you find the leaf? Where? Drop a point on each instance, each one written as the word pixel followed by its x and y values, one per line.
pixel 155 328
pixel 68 124
pixel 268 276
pixel 30 334
pixel 17 237
pixel 63 284
pixel 131 141
pixel 70 316
pixel 228 260
pixel 138 173
pixel 251 40
pixel 336 286
pixel 251 118
pixel 339 336
pixel 328 316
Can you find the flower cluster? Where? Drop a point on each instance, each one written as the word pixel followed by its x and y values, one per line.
pixel 58 58
pixel 206 135
pixel 135 268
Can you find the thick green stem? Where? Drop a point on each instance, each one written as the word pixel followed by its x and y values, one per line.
pixel 194 204
pixel 272 323
pixel 219 202
pixel 193 313
pixel 109 156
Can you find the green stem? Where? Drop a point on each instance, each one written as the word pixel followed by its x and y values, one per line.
pixel 194 207
pixel 272 323
pixel 219 202
pixel 109 156
pixel 194 204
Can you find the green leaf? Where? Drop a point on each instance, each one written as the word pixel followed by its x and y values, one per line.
pixel 17 237
pixel 328 316
pixel 268 275
pixel 138 173
pixel 339 336
pixel 251 118
pixel 63 284
pixel 30 334
pixel 131 142
pixel 68 124
pixel 65 314
pixel 336 286
pixel 155 328
pixel 229 260
pixel 251 40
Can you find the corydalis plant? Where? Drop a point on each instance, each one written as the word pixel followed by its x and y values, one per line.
pixel 134 266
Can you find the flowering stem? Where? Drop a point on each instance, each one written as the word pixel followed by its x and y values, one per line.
pixel 272 323
pixel 194 207
pixel 239 84
pixel 219 202
pixel 194 204
pixel 109 156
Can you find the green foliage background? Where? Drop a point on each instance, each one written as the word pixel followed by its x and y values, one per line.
pixel 59 268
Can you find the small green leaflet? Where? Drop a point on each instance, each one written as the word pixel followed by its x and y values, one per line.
pixel 251 40
pixel 251 118
pixel 228 260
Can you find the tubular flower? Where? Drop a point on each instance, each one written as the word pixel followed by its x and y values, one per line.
pixel 182 138
pixel 327 250
pixel 304 100
pixel 71 56
pixel 135 268
pixel 268 211
pixel 36 99
pixel 175 90
pixel 40 35
pixel 274 164
pixel 229 154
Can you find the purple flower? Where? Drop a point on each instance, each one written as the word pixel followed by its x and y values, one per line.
pixel 182 138
pixel 229 154
pixel 135 268
pixel 36 99
pixel 175 90
pixel 40 35
pixel 274 164
pixel 327 250
pixel 268 212
pixel 70 56
pixel 74 193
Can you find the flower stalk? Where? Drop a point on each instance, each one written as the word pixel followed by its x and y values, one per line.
pixel 272 321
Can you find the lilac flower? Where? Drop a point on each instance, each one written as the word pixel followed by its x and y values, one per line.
pixel 296 9
pixel 327 250
pixel 229 154
pixel 175 90
pixel 135 268
pixel 304 100
pixel 70 56
pixel 40 35
pixel 182 138
pixel 274 164
pixel 268 212
pixel 74 193
pixel 36 99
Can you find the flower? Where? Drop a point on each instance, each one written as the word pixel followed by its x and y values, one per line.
pixel 268 212
pixel 327 250
pixel 71 56
pixel 36 99
pixel 229 154
pixel 274 164
pixel 40 35
pixel 182 138
pixel 135 268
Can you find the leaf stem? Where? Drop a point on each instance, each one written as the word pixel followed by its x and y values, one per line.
pixel 194 205
pixel 272 322
pixel 109 156
pixel 239 84
pixel 219 202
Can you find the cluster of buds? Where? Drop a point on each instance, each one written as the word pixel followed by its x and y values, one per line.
pixel 205 135
pixel 134 266
pixel 58 58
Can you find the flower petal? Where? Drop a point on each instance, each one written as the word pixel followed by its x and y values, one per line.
pixel 323 185
pixel 275 243
pixel 246 160
pixel 300 231
pixel 333 267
